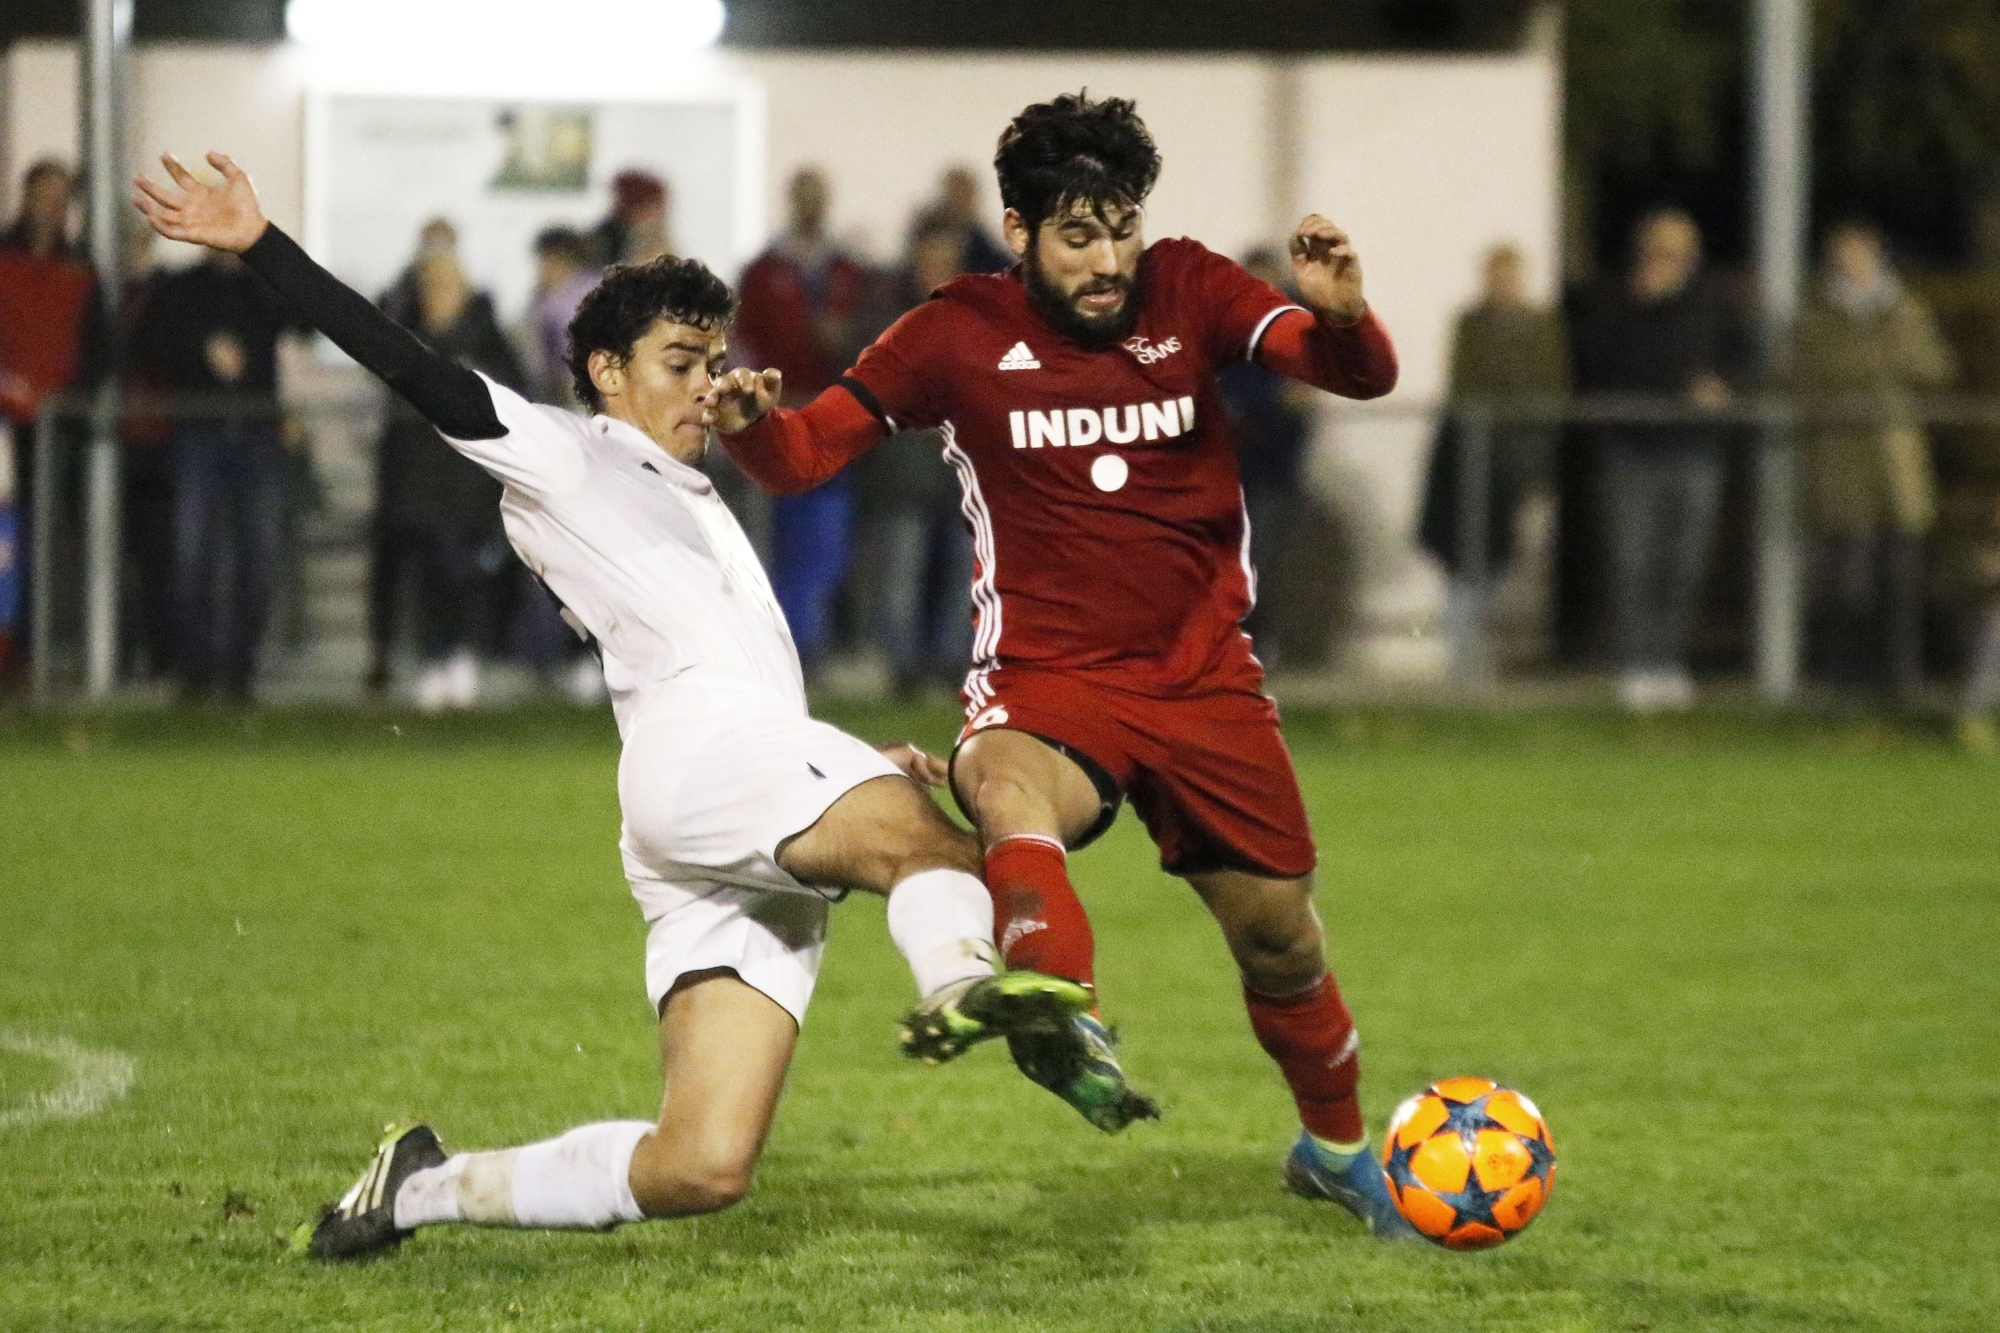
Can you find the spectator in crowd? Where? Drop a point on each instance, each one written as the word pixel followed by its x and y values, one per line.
pixel 51 339
pixel 956 210
pixel 537 634
pixel 437 514
pixel 909 505
pixel 1662 331
pixel 636 228
pixel 1506 353
pixel 1270 422
pixel 147 476
pixel 798 303
pixel 563 276
pixel 210 333
pixel 1864 347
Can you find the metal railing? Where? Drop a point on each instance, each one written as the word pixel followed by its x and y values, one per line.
pixel 1771 426
pixel 1774 425
pixel 107 420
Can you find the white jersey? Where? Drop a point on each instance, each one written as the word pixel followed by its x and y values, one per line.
pixel 641 552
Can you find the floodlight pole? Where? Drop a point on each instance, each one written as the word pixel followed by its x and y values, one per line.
pixel 107 41
pixel 1781 92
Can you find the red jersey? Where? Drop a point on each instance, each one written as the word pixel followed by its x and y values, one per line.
pixel 44 303
pixel 1101 486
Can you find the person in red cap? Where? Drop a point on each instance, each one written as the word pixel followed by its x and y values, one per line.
pixel 636 229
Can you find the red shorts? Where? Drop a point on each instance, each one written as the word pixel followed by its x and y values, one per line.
pixel 1208 774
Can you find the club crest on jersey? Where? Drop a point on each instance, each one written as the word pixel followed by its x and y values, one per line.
pixel 1146 352
pixel 1080 426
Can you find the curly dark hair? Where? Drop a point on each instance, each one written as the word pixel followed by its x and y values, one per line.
pixel 1055 155
pixel 629 299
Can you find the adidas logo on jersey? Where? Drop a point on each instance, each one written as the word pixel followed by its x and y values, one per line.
pixel 1080 426
pixel 1019 358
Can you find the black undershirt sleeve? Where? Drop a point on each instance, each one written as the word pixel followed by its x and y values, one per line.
pixel 450 397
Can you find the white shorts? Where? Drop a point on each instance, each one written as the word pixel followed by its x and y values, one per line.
pixel 710 783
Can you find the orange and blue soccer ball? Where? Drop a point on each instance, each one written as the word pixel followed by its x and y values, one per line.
pixel 1470 1163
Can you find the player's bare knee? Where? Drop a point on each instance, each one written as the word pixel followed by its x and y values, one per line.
pixel 681 1184
pixel 1279 948
pixel 716 1188
pixel 1005 798
pixel 921 839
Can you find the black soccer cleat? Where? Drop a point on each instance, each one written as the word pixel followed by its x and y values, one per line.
pixel 364 1221
pixel 1079 1063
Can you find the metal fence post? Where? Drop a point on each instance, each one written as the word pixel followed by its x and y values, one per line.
pixel 1779 590
pixel 1471 429
pixel 107 36
pixel 101 549
pixel 1781 136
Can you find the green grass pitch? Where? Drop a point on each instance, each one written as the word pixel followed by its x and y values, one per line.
pixel 1749 968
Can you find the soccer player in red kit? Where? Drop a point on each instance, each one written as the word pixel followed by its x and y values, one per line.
pixel 1076 396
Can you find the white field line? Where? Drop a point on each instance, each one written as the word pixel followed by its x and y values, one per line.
pixel 91 1080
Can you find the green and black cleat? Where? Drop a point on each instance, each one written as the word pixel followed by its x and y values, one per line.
pixel 364 1221
pixel 1079 1065
pixel 1008 1004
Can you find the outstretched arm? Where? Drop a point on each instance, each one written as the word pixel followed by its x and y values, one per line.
pixel 228 217
pixel 1341 347
pixel 787 451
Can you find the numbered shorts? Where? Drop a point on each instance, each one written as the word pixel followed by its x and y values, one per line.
pixel 1208 774
pixel 709 789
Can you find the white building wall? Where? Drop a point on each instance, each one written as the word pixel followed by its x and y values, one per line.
pixel 1426 161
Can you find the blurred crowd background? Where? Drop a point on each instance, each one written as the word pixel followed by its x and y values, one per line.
pixel 1606 538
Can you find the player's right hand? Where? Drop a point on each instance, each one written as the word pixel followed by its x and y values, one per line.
pixel 927 769
pixel 222 216
pixel 741 396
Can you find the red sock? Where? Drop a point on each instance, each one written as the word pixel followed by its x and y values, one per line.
pixel 1311 1036
pixel 1037 920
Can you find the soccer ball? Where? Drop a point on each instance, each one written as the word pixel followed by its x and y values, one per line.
pixel 1470 1163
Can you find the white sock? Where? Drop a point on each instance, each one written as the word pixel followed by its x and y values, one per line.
pixel 581 1180
pixel 942 920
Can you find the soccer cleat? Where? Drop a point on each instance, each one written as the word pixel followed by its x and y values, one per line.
pixel 1079 1065
pixel 364 1221
pixel 959 1017
pixel 1356 1183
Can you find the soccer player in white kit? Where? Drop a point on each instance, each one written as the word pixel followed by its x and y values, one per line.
pixel 743 817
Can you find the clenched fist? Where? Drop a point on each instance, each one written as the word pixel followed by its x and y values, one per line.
pixel 1327 270
pixel 741 396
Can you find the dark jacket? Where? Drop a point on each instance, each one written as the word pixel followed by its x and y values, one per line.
pixel 185 309
pixel 422 482
pixel 1622 345
pixel 1496 356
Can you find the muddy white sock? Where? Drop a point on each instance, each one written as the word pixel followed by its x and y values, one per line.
pixel 581 1180
pixel 942 920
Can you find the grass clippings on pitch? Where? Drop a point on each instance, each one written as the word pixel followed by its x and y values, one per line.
pixel 1750 969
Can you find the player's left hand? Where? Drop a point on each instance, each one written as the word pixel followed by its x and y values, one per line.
pixel 1327 270
pixel 925 768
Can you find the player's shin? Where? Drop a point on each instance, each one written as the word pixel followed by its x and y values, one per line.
pixel 1312 1037
pixel 942 922
pixel 1037 918
pixel 581 1180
